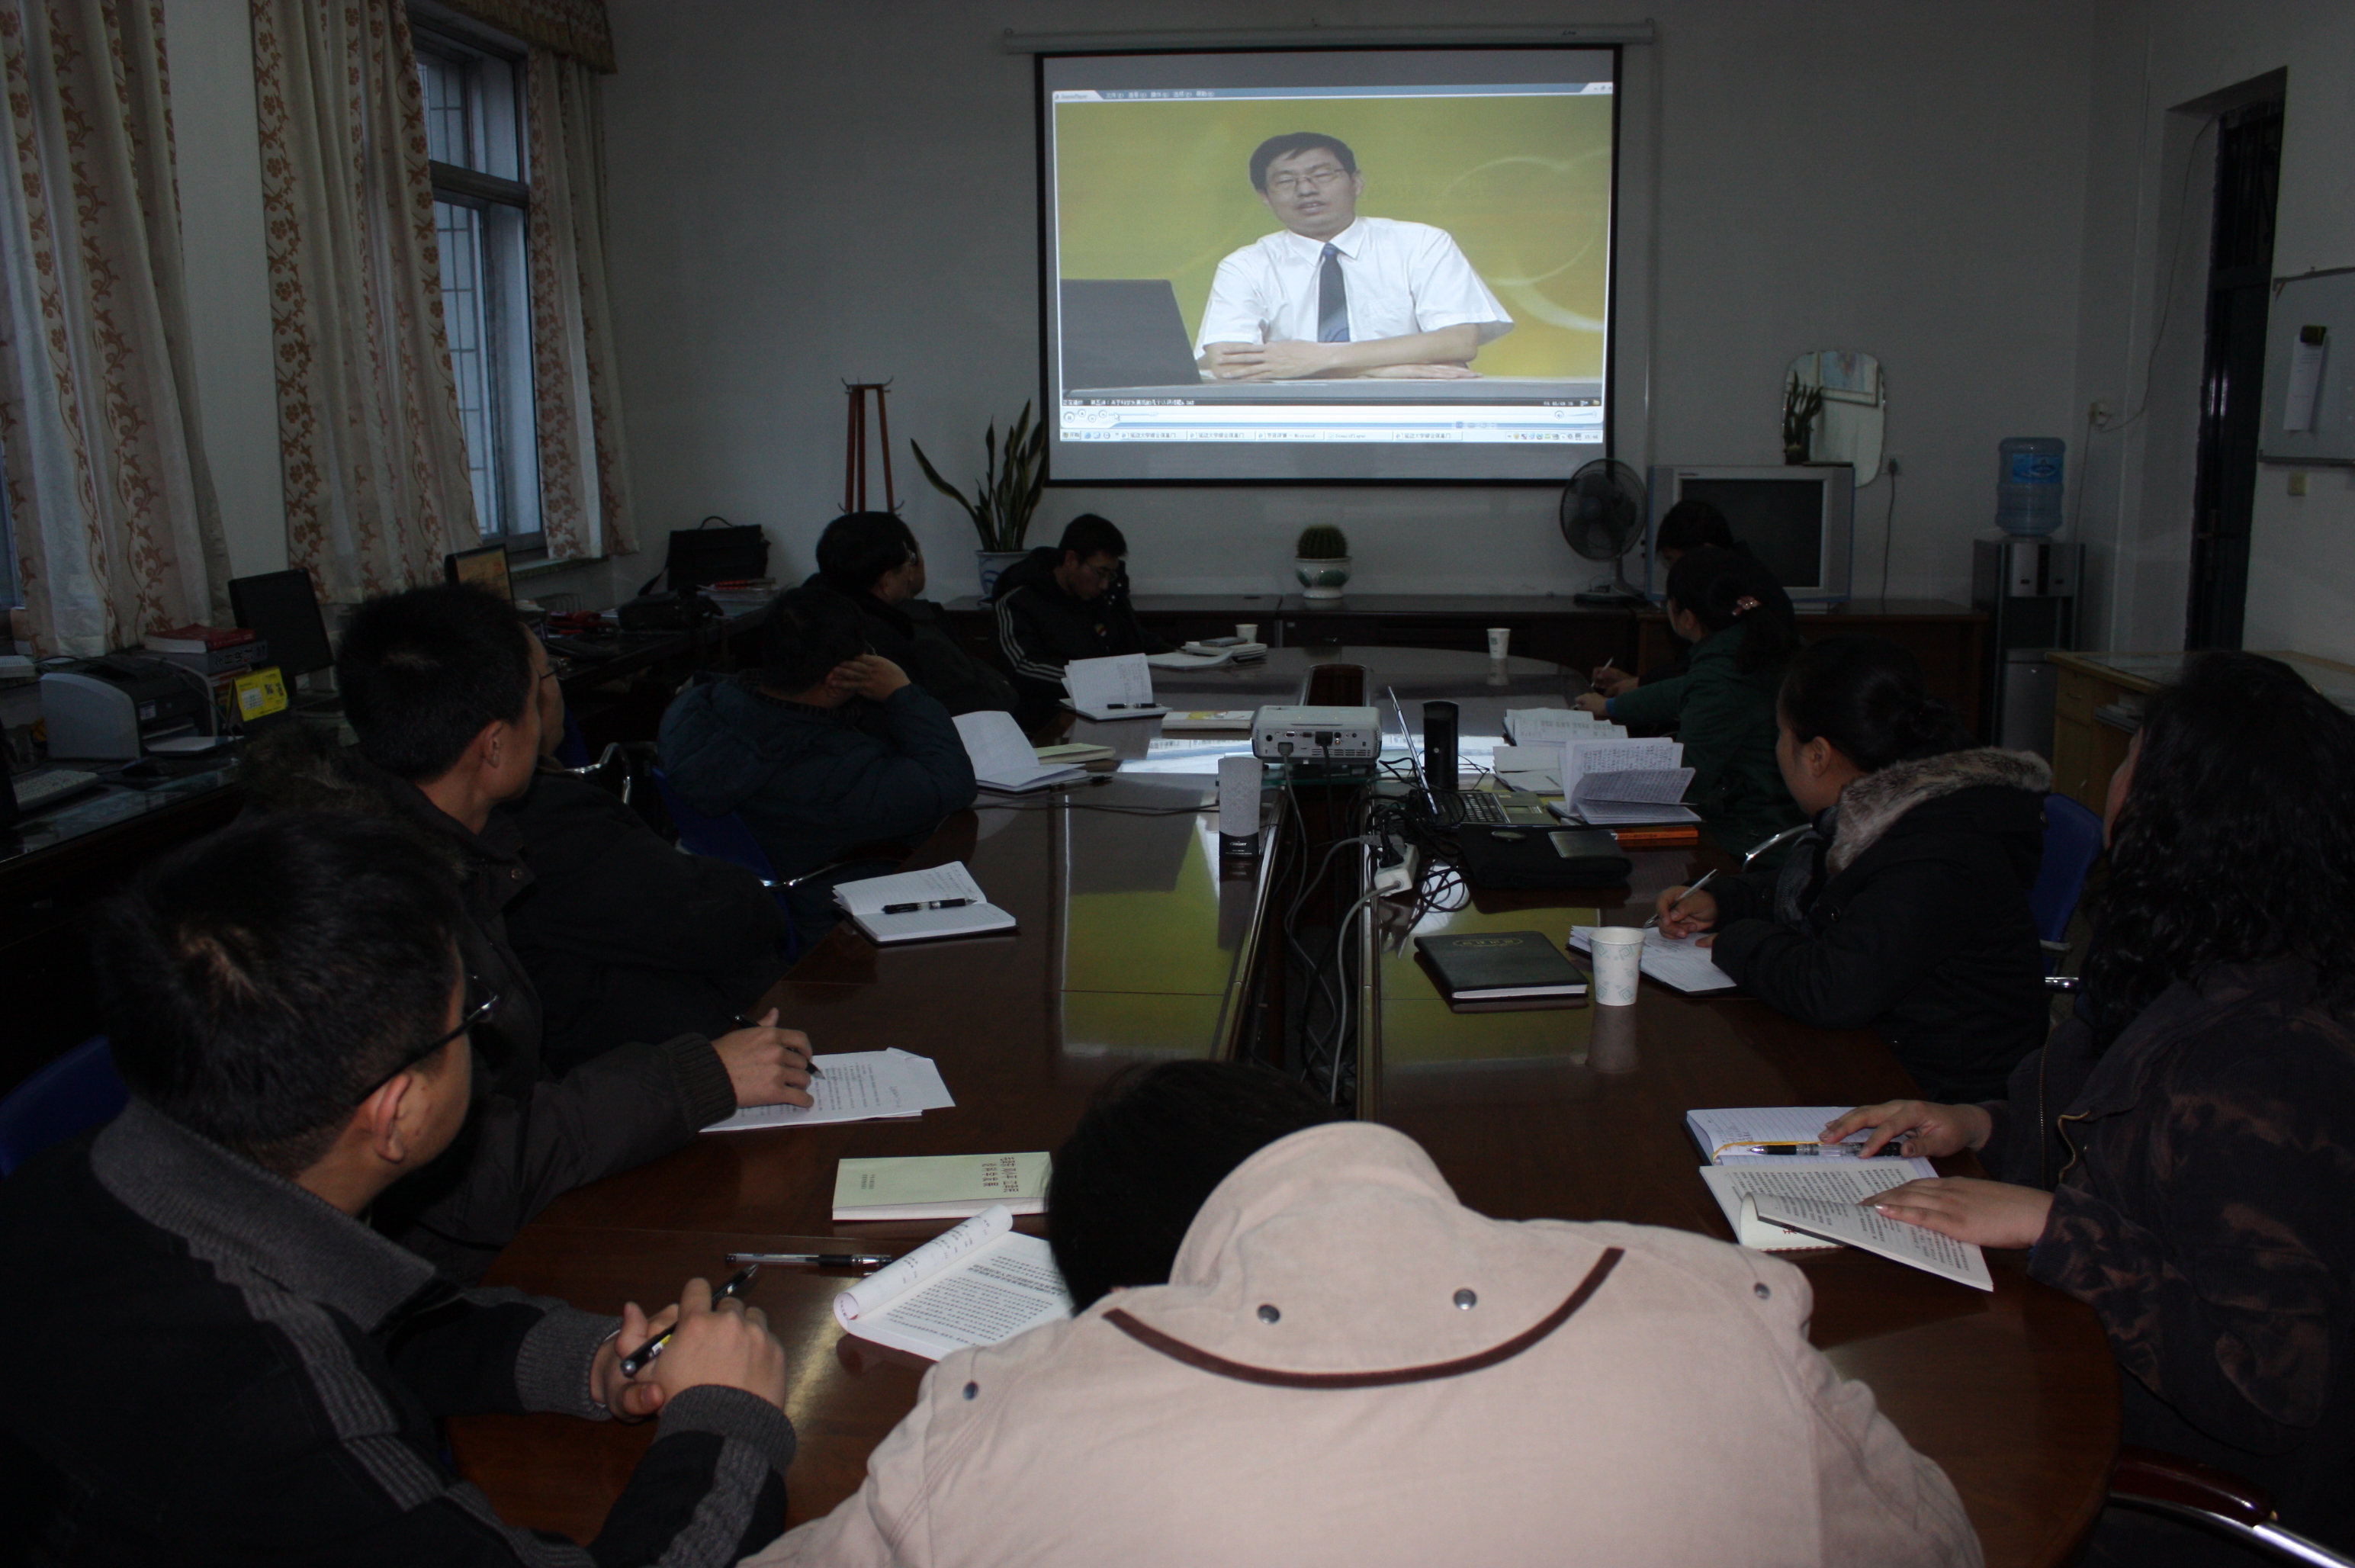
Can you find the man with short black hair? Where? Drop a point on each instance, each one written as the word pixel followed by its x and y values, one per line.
pixel 232 1368
pixel 872 559
pixel 1335 294
pixel 440 684
pixel 1063 603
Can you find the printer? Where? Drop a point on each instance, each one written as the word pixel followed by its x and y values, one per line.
pixel 121 705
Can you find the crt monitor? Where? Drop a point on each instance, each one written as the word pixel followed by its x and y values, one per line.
pixel 283 609
pixel 1797 519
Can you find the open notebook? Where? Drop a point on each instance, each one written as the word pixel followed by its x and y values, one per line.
pixel 980 1284
pixel 916 906
pixel 1679 963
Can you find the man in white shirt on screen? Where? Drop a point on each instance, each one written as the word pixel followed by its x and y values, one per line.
pixel 1335 294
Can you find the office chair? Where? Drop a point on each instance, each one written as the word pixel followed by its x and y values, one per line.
pixel 2073 842
pixel 2216 1500
pixel 77 1092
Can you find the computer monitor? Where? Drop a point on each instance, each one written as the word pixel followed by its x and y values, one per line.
pixel 283 609
pixel 482 568
pixel 1798 519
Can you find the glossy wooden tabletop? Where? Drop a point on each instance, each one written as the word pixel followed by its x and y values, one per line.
pixel 1131 945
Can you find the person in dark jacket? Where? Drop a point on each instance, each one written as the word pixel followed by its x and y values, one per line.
pixel 1067 603
pixel 872 559
pixel 2177 1155
pixel 625 938
pixel 1740 622
pixel 786 748
pixel 1905 909
pixel 234 1369
pixel 1684 527
pixel 439 684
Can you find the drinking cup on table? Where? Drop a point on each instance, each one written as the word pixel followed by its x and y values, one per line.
pixel 1500 639
pixel 1247 630
pixel 1618 955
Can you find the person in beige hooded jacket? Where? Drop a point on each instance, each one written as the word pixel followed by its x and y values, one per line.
pixel 1349 1366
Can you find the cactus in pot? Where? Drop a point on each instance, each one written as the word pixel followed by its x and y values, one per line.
pixel 1321 562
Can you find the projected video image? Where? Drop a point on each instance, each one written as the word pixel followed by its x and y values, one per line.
pixel 1379 264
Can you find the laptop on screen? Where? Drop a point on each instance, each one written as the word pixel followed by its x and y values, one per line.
pixel 1125 332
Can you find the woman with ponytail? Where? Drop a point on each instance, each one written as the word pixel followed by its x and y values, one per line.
pixel 1905 909
pixel 1739 622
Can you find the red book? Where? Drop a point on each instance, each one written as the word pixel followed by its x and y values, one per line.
pixel 196 638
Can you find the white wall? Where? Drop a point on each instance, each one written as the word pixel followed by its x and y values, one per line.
pixel 210 46
pixel 2155 61
pixel 827 190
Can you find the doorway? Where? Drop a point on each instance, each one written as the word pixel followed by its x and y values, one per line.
pixel 2239 285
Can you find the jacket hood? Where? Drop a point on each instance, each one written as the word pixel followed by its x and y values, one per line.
pixel 1340 1252
pixel 1872 804
pixel 720 742
pixel 1036 569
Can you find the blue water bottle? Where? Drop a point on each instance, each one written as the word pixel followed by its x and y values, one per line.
pixel 2027 485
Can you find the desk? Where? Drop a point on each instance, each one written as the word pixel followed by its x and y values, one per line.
pixel 2097 708
pixel 1135 944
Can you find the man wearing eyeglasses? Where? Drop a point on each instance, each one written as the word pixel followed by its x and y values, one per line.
pixel 1335 294
pixel 220 1362
pixel 1064 602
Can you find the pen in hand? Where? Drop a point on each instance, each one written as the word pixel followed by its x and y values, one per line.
pixel 1705 878
pixel 1594 681
pixel 812 1068
pixel 641 1357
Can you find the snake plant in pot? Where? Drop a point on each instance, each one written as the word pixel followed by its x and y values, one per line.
pixel 1321 562
pixel 1003 503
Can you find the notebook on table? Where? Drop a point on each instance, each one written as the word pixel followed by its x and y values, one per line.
pixel 940 1187
pixel 918 906
pixel 1679 963
pixel 1500 966
pixel 1119 687
pixel 1003 759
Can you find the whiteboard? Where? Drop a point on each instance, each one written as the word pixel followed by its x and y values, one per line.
pixel 2320 299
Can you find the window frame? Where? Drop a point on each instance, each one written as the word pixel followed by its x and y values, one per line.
pixel 510 414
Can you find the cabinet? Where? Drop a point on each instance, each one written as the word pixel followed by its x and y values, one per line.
pixel 2099 704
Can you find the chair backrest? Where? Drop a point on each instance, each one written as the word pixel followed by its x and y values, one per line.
pixel 2073 841
pixel 75 1092
pixel 721 837
pixel 573 751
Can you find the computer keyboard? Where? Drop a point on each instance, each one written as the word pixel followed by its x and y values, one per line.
pixel 47 787
pixel 1474 806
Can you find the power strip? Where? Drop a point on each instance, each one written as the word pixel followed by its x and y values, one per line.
pixel 1396 874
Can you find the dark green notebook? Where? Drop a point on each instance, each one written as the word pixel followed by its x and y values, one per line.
pixel 1501 965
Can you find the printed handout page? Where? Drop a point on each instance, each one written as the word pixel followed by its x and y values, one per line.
pixel 853 1086
pixel 980 1284
pixel 1859 1227
pixel 1833 1181
pixel 1551 726
pixel 1119 686
pixel 1681 963
pixel 1002 758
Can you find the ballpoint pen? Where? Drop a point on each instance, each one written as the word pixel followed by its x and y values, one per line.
pixel 1594 681
pixel 817 1260
pixel 929 903
pixel 1705 878
pixel 742 1022
pixel 641 1357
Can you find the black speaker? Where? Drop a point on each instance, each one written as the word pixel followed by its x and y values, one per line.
pixel 1439 747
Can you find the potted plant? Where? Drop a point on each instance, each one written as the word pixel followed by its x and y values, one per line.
pixel 1801 404
pixel 1321 562
pixel 1002 504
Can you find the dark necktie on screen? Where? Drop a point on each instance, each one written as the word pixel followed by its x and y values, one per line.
pixel 1332 300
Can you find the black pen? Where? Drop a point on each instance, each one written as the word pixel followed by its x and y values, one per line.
pixel 934 903
pixel 813 1069
pixel 641 1357
pixel 817 1260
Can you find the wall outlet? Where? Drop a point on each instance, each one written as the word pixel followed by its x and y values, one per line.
pixel 1891 463
pixel 2297 482
pixel 2098 414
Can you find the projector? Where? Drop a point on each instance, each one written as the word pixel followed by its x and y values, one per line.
pixel 1315 734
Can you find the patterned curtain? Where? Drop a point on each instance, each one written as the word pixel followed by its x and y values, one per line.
pixel 116 529
pixel 576 28
pixel 584 479
pixel 374 455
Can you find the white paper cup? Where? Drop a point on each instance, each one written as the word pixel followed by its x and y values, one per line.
pixel 1247 630
pixel 1618 955
pixel 1500 639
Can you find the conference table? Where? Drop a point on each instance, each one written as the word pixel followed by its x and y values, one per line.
pixel 1138 940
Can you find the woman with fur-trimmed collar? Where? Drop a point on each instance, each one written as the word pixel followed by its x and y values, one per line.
pixel 1905 909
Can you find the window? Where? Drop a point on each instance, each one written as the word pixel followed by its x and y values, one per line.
pixel 474 134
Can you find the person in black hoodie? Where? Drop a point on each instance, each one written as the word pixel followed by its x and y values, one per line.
pixel 872 559
pixel 625 938
pixel 1067 603
pixel 1905 907
pixel 2177 1157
